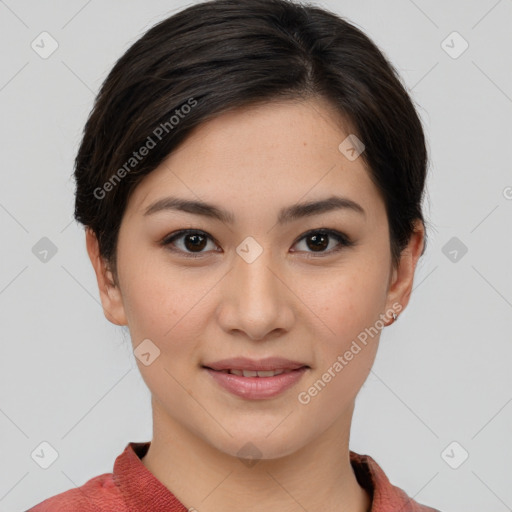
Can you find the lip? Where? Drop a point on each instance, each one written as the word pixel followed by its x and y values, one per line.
pixel 244 363
pixel 257 388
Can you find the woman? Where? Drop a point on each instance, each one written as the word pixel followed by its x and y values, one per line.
pixel 250 180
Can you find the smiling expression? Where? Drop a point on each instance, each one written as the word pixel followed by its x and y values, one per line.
pixel 257 238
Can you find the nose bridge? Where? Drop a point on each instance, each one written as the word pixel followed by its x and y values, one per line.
pixel 254 280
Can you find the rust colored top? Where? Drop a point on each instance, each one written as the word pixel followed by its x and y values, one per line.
pixel 133 488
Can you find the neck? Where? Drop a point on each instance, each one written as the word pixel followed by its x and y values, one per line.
pixel 317 477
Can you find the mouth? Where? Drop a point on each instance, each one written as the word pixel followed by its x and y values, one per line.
pixel 251 379
pixel 244 364
pixel 255 373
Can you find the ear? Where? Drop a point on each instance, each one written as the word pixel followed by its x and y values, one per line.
pixel 110 293
pixel 402 278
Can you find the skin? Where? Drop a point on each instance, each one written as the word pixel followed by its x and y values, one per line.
pixel 254 161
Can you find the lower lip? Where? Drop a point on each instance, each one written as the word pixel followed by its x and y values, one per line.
pixel 257 388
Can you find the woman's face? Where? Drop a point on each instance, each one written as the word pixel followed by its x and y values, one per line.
pixel 265 278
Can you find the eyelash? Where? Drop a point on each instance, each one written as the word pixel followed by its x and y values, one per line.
pixel 343 240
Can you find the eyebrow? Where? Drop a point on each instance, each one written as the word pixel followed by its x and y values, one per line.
pixel 287 214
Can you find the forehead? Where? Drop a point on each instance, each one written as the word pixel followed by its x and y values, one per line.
pixel 257 157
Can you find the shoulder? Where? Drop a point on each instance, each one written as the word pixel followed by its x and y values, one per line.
pixel 97 495
pixel 386 497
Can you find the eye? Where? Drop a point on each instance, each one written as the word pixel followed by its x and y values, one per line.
pixel 191 242
pixel 319 240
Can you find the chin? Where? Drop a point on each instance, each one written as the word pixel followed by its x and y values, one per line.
pixel 253 444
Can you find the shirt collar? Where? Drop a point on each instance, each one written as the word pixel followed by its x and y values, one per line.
pixel 143 491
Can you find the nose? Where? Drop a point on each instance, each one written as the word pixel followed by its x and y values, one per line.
pixel 256 300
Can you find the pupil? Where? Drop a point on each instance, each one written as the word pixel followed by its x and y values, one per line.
pixel 194 244
pixel 319 241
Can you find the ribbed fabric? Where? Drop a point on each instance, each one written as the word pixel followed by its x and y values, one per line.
pixel 133 488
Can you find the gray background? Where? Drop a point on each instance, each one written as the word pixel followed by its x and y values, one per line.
pixel 442 374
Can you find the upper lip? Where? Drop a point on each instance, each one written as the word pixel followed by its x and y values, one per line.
pixel 243 363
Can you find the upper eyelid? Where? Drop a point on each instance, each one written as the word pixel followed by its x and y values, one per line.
pixel 182 232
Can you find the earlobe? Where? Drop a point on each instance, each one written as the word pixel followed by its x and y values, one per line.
pixel 110 293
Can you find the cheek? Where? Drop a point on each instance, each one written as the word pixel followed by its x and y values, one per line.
pixel 155 295
pixel 348 303
pixel 166 309
pixel 167 306
pixel 348 309
pixel 163 314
